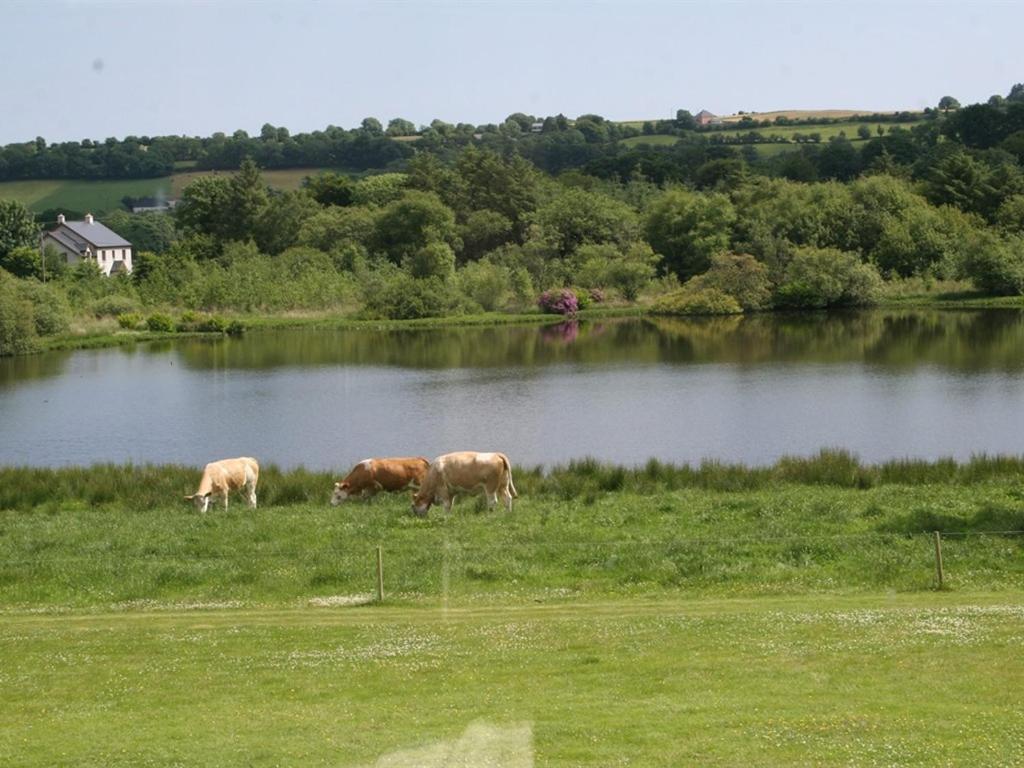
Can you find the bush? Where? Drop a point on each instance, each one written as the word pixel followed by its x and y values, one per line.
pixel 50 309
pixel 235 328
pixel 485 283
pixel 130 320
pixel 212 324
pixel 697 301
pixel 17 321
pixel 558 301
pixel 995 266
pixel 399 296
pixel 741 276
pixel 825 277
pixel 158 322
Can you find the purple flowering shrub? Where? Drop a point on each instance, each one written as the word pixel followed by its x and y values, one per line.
pixel 558 301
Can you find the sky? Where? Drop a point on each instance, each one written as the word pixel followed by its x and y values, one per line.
pixel 74 70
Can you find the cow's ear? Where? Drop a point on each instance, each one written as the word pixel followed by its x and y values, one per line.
pixel 338 486
pixel 207 495
pixel 189 498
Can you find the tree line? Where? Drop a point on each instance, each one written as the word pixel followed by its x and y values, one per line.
pixel 475 229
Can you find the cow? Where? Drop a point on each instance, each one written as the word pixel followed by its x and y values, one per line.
pixel 221 477
pixel 465 472
pixel 372 475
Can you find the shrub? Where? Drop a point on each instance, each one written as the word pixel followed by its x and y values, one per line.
pixel 825 277
pixel 129 320
pixel 399 296
pixel 699 301
pixel 235 328
pixel 112 306
pixel 212 324
pixel 485 283
pixel 994 265
pixel 50 308
pixel 17 321
pixel 158 322
pixel 741 276
pixel 558 301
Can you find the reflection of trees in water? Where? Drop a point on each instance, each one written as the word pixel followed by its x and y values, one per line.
pixel 14 370
pixel 962 340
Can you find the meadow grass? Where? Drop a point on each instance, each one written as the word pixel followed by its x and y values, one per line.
pixel 911 680
pixel 109 536
pixel 658 615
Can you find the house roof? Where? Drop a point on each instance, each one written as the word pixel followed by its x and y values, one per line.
pixel 704 113
pixel 68 239
pixel 95 233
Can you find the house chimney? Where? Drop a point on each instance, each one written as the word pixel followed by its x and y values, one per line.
pixel 88 218
pixel 60 218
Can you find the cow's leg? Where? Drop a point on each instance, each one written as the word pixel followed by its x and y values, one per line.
pixel 225 496
pixel 251 488
pixel 448 499
pixel 507 497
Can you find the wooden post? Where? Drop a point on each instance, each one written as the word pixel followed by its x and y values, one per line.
pixel 938 557
pixel 380 575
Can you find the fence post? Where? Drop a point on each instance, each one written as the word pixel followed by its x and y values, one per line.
pixel 380 575
pixel 938 558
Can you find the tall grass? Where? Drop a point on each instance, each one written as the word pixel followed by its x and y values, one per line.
pixel 148 486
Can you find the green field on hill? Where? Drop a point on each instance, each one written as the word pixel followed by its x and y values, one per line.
pixel 105 196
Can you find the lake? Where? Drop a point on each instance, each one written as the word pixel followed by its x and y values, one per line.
pixel 884 384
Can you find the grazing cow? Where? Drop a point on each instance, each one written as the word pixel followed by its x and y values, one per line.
pixel 466 472
pixel 372 475
pixel 221 477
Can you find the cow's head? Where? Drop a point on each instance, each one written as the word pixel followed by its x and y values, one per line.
pixel 341 491
pixel 421 503
pixel 201 501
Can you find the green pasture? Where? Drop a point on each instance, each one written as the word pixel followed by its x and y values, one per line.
pixel 658 616
pixel 104 196
pixel 911 680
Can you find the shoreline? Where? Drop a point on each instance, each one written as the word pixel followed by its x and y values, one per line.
pixel 335 321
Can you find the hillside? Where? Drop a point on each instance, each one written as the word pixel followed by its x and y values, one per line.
pixel 104 196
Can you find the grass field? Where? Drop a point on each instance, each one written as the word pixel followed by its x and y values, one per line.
pixel 658 617
pixel 105 196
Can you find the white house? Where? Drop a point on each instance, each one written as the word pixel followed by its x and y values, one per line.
pixel 89 239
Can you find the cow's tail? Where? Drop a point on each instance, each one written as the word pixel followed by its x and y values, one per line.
pixel 508 474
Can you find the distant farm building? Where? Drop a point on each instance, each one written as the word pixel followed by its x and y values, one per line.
pixel 88 239
pixel 144 204
pixel 706 118
pixel 537 127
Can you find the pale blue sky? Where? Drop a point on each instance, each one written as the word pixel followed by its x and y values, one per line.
pixel 91 70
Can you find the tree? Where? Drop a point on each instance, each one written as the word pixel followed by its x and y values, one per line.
pixel 202 206
pixel 995 100
pixel 149 231
pixel 329 188
pixel 739 275
pixel 864 132
pixel 1016 93
pixel 399 127
pixel 947 103
pixel 684 120
pixel 279 222
pixel 18 228
pixel 825 277
pixel 688 228
pixel 576 216
pixel 408 224
pixel 372 126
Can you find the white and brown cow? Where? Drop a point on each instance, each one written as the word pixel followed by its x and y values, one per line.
pixel 466 472
pixel 222 477
pixel 372 475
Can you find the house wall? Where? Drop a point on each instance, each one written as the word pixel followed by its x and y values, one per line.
pixel 70 256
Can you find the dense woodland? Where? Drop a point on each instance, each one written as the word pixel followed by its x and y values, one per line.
pixel 481 218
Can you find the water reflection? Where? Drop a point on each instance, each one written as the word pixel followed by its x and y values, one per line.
pixel 960 340
pixel 884 384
